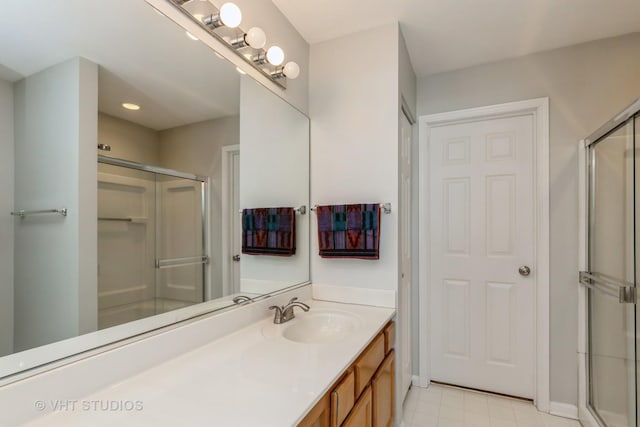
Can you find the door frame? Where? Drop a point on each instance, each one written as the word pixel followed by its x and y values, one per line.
pixel 584 414
pixel 228 152
pixel 539 110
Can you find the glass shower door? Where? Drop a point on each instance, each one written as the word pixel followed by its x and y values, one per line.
pixel 151 241
pixel 181 252
pixel 611 279
pixel 126 244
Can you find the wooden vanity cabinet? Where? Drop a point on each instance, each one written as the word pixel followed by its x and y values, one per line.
pixel 319 416
pixel 364 394
pixel 362 413
pixel 343 397
pixel 383 392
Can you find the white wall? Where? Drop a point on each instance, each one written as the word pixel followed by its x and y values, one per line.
pixel 197 148
pixel 353 93
pixel 274 166
pixel 587 85
pixel 56 136
pixel 6 221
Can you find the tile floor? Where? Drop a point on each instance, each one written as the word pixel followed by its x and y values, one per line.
pixel 443 406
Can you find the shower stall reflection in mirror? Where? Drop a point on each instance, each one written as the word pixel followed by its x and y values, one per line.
pixel 608 342
pixel 152 241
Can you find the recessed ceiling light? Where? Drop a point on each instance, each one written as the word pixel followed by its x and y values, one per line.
pixel 130 106
pixel 240 70
pixel 191 36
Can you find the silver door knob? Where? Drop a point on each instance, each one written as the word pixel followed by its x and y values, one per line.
pixel 236 258
pixel 524 270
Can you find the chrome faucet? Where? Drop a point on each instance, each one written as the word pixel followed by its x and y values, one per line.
pixel 285 313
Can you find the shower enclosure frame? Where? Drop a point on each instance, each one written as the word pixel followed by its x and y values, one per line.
pixel 204 181
pixel 586 161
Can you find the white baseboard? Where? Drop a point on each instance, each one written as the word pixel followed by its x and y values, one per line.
pixel 349 295
pixel 565 410
pixel 418 381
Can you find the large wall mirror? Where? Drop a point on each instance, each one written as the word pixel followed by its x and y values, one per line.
pixel 128 151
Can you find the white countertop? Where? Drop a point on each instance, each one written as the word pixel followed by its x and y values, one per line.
pixel 253 377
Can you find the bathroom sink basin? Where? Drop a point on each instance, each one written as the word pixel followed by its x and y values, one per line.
pixel 320 327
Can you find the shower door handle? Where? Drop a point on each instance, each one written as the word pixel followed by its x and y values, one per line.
pixel 181 262
pixel 625 293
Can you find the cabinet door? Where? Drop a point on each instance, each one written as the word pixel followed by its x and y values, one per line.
pixel 361 415
pixel 382 387
pixel 342 399
pixel 319 415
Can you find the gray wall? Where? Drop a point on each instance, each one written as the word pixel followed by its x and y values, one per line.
pixel 587 85
pixel 128 140
pixel 197 148
pixel 55 139
pixel 6 221
pixel 407 82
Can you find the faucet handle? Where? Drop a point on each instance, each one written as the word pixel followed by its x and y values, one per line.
pixel 292 300
pixel 277 317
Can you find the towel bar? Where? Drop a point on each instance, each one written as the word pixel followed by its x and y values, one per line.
pixel 386 207
pixel 22 213
pixel 302 210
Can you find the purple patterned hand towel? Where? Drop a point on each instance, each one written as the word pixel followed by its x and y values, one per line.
pixel 349 231
pixel 269 231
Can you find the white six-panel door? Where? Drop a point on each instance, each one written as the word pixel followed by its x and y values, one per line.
pixel 481 191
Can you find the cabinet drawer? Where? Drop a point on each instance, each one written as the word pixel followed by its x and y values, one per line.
pixel 389 337
pixel 368 363
pixel 362 413
pixel 342 399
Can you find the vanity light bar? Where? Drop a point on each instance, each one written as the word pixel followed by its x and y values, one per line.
pixel 386 207
pixel 302 210
pixel 267 62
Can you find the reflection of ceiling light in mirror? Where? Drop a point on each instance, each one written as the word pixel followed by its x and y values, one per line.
pixel 275 55
pixel 191 36
pixel 240 70
pixel 230 15
pixel 130 106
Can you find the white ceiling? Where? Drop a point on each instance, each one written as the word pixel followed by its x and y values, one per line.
pixel 444 35
pixel 143 57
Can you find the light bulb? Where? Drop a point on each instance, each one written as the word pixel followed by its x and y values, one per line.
pixel 230 15
pixel 275 55
pixel 291 70
pixel 256 38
